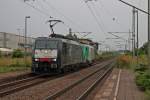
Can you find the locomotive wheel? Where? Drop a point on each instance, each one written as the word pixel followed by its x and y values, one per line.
pixel 62 70
pixel 76 67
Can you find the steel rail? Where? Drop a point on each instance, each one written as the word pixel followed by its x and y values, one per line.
pixel 101 77
pixel 23 85
pixel 17 77
pixel 15 89
pixel 2 86
pixel 62 91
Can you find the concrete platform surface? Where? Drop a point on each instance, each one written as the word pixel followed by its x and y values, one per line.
pixel 120 85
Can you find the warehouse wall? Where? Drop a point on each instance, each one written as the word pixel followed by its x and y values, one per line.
pixel 12 41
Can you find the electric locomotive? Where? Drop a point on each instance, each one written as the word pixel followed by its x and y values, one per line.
pixel 56 54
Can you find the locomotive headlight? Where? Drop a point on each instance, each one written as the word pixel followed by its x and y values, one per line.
pixel 55 59
pixel 36 59
pixel 46 51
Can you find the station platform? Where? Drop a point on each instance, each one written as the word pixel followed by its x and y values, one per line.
pixel 120 85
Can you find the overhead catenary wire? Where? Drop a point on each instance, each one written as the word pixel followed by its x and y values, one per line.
pixel 103 7
pixel 39 10
pixel 100 29
pixel 99 15
pixel 48 15
pixel 66 17
pixel 41 5
pixel 60 13
pixel 48 7
pixel 109 13
pixel 94 16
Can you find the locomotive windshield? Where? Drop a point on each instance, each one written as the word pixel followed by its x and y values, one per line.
pixel 49 44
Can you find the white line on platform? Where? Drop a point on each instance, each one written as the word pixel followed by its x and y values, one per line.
pixel 117 86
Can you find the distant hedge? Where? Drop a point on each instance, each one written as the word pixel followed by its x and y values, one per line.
pixel 17 53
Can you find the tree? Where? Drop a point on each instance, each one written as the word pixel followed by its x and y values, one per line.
pixel 144 49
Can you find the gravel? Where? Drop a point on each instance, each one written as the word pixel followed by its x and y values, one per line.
pixel 13 74
pixel 41 91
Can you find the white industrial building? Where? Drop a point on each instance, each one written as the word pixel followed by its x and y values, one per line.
pixel 12 41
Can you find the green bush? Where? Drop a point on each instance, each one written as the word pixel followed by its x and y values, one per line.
pixel 144 49
pixel 143 80
pixel 17 53
pixel 142 77
pixel 141 68
pixel 148 94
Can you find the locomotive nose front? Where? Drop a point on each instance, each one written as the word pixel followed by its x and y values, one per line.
pixel 45 56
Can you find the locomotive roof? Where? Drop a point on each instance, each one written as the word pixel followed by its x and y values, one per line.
pixel 63 40
pixel 58 39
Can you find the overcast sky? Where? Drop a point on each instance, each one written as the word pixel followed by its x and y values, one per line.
pixel 112 15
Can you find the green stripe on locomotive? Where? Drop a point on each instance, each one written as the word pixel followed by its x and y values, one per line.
pixel 85 53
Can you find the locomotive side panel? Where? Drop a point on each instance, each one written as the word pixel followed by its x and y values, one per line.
pixel 71 54
pixel 85 53
pixel 88 53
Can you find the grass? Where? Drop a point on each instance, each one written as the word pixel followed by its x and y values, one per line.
pixel 124 61
pixel 14 64
pixel 11 69
pixel 148 94
pixel 129 62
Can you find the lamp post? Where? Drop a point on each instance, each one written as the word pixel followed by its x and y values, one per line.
pixel 25 44
pixel 149 35
pixel 19 37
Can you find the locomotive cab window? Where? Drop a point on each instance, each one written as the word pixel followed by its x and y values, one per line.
pixel 42 44
pixel 51 44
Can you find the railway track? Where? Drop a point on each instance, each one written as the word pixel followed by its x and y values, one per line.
pixel 15 78
pixel 17 85
pixel 11 87
pixel 22 77
pixel 81 88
